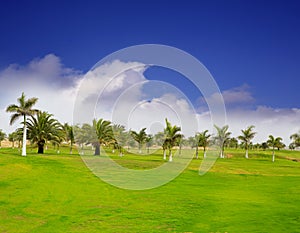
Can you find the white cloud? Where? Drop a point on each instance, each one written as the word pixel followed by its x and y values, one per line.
pixel 238 95
pixel 45 78
pixel 119 91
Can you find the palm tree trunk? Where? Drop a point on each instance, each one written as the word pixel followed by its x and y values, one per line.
pixel 204 154
pixel 273 155
pixel 97 150
pixel 197 153
pixel 170 156
pixel 71 147
pixel 246 155
pixel 40 149
pixel 165 154
pixel 222 153
pixel 140 150
pixel 24 137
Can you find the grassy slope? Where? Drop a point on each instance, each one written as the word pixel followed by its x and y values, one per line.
pixel 57 193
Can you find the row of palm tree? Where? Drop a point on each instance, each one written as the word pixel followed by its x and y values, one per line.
pixel 42 127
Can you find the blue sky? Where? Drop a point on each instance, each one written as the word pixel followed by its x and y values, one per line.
pixel 253 42
pixel 251 48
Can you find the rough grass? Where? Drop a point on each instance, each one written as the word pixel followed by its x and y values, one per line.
pixel 57 193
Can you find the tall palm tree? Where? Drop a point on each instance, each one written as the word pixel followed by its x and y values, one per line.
pixel 246 137
pixel 274 142
pixel 222 137
pixel 140 137
pixel 202 139
pixel 172 137
pixel 104 134
pixel 2 136
pixel 24 109
pixel 69 135
pixel 42 128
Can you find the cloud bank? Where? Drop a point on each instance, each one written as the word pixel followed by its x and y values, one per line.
pixel 127 97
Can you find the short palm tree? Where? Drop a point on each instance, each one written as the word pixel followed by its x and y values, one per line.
pixel 104 134
pixel 202 139
pixel 42 128
pixel 246 137
pixel 274 142
pixel 172 137
pixel 24 109
pixel 140 137
pixel 222 137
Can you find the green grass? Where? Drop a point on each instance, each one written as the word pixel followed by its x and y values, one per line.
pixel 57 193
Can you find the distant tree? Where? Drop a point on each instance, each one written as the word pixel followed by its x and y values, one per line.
pixel 24 109
pixel 246 137
pixel 264 145
pixel 191 142
pixel 274 142
pixel 85 135
pixel 149 142
pixel 104 134
pixel 233 143
pixel 69 135
pixel 292 146
pixel 2 136
pixel 140 137
pixel 172 137
pixel 43 128
pixel 222 138
pixel 12 137
pixel 296 139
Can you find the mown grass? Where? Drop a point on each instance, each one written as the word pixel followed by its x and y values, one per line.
pixel 57 193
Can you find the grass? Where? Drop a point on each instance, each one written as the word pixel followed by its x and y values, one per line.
pixel 57 193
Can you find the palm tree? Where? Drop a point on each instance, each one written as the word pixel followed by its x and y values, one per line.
pixel 274 142
pixel 172 137
pixel 104 134
pixel 43 128
pixel 222 137
pixel 233 143
pixel 120 137
pixel 24 109
pixel 140 137
pixel 149 142
pixel 2 136
pixel 202 139
pixel 296 139
pixel 12 137
pixel 246 137
pixel 69 135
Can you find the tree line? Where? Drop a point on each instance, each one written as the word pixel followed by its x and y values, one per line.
pixel 40 128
